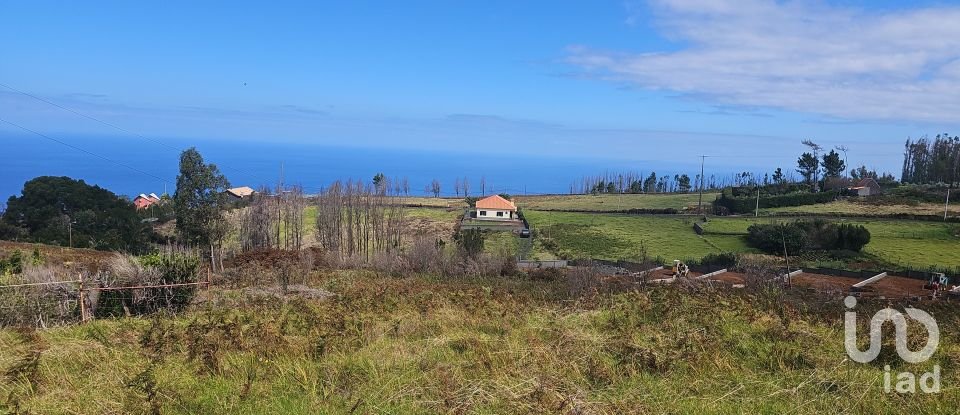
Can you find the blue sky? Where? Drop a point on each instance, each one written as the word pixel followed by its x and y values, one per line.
pixel 662 79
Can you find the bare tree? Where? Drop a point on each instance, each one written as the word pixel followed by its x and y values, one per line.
pixel 294 204
pixel 456 187
pixel 466 187
pixel 435 188
pixel 257 222
pixel 844 149
pixel 355 219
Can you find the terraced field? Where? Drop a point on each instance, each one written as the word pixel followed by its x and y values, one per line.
pixel 612 202
pixel 854 207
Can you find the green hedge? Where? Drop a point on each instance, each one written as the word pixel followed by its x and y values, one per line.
pixel 726 201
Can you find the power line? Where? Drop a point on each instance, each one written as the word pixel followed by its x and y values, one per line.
pixel 89 117
pixel 84 150
pixel 118 128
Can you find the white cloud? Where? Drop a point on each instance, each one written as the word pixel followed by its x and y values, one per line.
pixel 800 56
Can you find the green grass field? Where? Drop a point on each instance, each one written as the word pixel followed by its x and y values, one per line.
pixel 912 243
pixel 611 236
pixel 485 346
pixel 436 202
pixel 501 243
pixel 608 202
pixel 616 236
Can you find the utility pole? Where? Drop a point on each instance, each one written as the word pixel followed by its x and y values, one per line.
pixel 70 231
pixel 700 202
pixel 946 206
pixel 757 211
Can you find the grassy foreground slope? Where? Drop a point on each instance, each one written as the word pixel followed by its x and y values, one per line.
pixel 417 345
pixel 613 202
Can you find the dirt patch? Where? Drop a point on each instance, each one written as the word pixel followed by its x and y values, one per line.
pixel 74 259
pixel 889 287
pixel 898 287
pixel 668 273
pixel 730 278
pixel 824 283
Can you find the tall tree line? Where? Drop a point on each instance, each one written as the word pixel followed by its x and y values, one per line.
pixel 932 161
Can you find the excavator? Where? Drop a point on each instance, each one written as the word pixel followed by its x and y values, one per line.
pixel 940 284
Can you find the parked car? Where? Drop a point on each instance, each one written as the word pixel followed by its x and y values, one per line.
pixel 525 233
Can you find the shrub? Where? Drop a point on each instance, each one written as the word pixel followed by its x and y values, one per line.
pixel 810 235
pixel 423 256
pixel 726 259
pixel 150 270
pixel 852 237
pixel 545 274
pixel 775 238
pixel 13 264
pixel 471 241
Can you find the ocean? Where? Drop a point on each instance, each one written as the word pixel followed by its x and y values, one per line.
pixel 313 166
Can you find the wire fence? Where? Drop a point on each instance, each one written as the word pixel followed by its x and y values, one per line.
pixel 57 303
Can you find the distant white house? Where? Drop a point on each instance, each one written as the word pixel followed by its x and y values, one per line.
pixel 496 208
pixel 240 192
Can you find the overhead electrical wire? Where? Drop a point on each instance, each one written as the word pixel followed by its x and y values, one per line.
pixel 83 150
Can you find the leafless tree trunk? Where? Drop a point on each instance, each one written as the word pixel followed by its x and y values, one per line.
pixel 257 222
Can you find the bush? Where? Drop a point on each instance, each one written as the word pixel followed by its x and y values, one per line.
pixel 150 270
pixel 811 235
pixel 852 237
pixel 726 259
pixel 13 264
pixel 775 238
pixel 471 241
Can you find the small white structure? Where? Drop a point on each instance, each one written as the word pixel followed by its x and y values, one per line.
pixel 866 187
pixel 240 192
pixel 496 208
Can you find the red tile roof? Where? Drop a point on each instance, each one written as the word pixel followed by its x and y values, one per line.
pixel 496 202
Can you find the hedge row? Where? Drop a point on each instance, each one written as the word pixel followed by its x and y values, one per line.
pixel 727 203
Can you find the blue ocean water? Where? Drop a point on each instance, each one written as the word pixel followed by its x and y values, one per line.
pixel 247 163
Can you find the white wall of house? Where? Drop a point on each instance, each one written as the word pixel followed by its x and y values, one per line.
pixel 494 214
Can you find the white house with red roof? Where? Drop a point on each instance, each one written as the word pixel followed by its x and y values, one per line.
pixel 495 208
